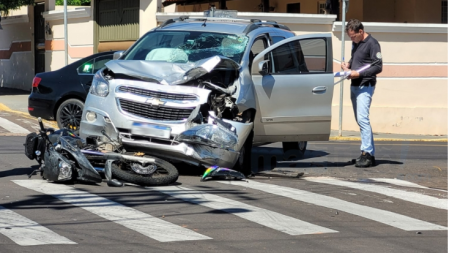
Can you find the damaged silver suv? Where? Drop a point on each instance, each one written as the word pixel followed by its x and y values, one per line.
pixel 203 90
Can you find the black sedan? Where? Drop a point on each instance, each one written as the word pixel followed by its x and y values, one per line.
pixel 59 95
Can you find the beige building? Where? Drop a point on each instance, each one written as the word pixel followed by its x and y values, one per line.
pixel 412 91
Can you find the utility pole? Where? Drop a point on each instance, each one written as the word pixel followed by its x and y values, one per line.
pixel 344 10
pixel 66 53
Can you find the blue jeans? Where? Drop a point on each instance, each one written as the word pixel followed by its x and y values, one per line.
pixel 361 99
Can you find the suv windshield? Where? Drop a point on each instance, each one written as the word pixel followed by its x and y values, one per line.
pixel 187 46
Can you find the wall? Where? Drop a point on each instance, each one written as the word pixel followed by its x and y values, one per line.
pixel 411 95
pixel 80 35
pixel 16 49
pixel 378 11
pixel 427 11
pixel 147 14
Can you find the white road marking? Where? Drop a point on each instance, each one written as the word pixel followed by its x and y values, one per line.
pixel 380 189
pixel 133 219
pixel 258 215
pixel 26 232
pixel 382 216
pixel 12 127
pixel 404 183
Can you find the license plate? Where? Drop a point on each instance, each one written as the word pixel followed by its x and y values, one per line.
pixel 151 130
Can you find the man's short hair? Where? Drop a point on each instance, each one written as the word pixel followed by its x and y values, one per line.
pixel 354 25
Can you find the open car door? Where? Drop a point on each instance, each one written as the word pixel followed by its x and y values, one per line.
pixel 293 81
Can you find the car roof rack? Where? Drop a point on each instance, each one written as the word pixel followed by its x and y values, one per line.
pixel 173 20
pixel 254 23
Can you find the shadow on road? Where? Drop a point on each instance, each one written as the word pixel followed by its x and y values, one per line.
pixel 19 171
pixel 10 91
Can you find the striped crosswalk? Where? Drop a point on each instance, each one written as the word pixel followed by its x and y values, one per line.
pixel 24 231
pixel 12 124
pixel 382 216
pixel 12 127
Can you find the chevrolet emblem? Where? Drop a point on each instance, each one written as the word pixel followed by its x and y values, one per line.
pixel 155 102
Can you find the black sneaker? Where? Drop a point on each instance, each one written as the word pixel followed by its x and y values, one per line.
pixel 357 159
pixel 366 161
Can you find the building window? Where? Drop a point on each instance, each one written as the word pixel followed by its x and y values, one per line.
pixel 321 7
pixel 444 12
pixel 293 8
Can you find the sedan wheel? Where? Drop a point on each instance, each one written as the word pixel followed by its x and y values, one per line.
pixel 69 114
pixel 296 149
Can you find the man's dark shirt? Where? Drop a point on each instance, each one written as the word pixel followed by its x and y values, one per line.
pixel 366 52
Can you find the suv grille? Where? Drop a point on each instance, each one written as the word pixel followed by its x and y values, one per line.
pixel 154 112
pixel 156 94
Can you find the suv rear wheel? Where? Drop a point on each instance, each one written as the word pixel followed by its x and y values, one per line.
pixel 296 149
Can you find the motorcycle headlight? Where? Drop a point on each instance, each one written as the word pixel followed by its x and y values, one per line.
pixel 211 135
pixel 65 170
pixel 100 86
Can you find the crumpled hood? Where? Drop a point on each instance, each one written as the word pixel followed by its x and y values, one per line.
pixel 170 73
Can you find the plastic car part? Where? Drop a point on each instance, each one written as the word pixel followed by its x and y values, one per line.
pixel 219 173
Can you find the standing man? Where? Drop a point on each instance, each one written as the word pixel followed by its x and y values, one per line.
pixel 365 50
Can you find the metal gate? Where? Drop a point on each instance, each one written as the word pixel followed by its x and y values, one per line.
pixel 117 24
pixel 39 38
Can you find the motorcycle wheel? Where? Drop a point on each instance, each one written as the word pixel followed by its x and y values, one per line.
pixel 165 174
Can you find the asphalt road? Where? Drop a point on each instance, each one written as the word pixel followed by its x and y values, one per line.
pixel 333 207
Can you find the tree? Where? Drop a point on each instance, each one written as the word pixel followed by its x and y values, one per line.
pixel 8 5
pixel 74 2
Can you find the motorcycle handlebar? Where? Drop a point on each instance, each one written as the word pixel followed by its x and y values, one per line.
pixel 41 124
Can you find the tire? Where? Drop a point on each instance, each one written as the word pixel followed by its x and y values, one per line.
pixel 295 148
pixel 165 174
pixel 243 163
pixel 69 114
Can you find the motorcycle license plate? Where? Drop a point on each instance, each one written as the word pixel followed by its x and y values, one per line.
pixel 151 130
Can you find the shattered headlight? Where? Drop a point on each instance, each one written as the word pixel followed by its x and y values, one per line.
pixel 100 86
pixel 211 135
pixel 65 170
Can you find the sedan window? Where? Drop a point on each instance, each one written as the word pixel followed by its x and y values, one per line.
pixel 86 68
pixel 94 65
pixel 100 62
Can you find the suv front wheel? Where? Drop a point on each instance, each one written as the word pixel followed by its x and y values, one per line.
pixel 243 164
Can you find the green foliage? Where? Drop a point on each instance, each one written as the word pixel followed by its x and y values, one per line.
pixel 7 5
pixel 74 2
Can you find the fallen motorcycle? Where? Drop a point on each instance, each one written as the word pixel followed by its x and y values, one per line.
pixel 64 156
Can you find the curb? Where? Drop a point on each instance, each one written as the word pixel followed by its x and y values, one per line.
pixel 337 138
pixel 28 116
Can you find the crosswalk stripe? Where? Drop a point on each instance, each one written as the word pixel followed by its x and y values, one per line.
pixel 26 232
pixel 395 193
pixel 403 183
pixel 133 219
pixel 382 216
pixel 261 216
pixel 12 127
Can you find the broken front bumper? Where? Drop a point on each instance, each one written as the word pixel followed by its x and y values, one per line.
pixel 193 153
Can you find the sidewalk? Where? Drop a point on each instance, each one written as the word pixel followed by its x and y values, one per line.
pixel 355 136
pixel 16 101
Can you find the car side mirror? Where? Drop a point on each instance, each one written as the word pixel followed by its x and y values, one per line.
pixel 262 67
pixel 117 55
